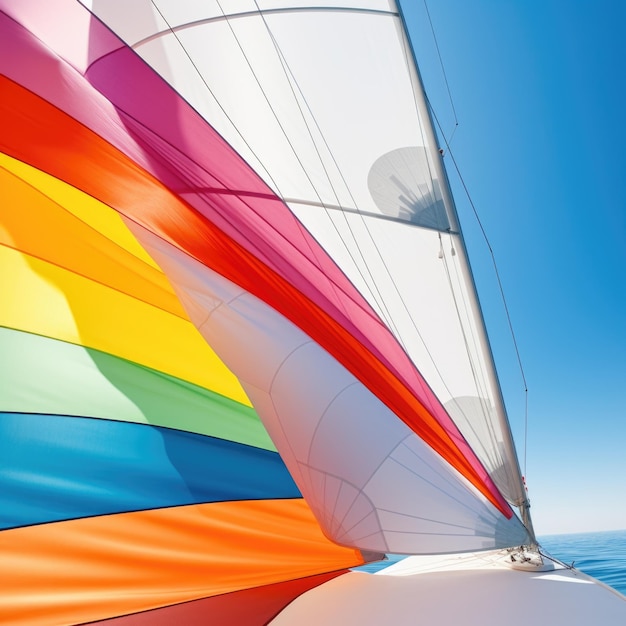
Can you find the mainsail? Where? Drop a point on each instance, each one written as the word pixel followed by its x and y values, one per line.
pixel 244 348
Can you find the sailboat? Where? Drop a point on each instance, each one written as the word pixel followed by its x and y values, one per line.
pixel 243 352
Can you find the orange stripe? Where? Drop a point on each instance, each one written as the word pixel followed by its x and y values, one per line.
pixel 50 226
pixel 88 569
pixel 37 133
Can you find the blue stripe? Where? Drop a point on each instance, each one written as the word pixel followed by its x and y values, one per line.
pixel 56 467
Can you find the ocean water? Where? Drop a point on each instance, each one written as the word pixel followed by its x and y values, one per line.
pixel 601 555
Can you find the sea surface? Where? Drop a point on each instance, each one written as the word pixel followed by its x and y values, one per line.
pixel 601 555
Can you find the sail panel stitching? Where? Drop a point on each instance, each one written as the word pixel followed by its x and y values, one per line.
pixel 244 14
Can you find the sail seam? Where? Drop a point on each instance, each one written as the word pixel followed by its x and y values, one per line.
pixel 443 71
pixel 360 490
pixel 92 280
pixel 204 82
pixel 155 508
pixel 458 486
pixel 356 211
pixel 245 14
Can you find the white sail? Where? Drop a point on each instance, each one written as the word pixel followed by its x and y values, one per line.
pixel 371 481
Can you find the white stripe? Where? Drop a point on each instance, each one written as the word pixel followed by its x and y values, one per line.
pixel 354 461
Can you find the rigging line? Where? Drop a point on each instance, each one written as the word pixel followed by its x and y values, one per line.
pixel 480 384
pixel 443 71
pixel 453 480
pixel 508 316
pixel 222 109
pixel 276 187
pixel 544 554
pixel 288 73
pixel 525 433
pixel 390 322
pixel 417 88
pixel 291 80
pixel 497 273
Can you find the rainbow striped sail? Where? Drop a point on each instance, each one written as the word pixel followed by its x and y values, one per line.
pixel 242 351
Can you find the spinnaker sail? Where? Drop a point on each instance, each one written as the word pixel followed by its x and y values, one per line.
pixel 244 348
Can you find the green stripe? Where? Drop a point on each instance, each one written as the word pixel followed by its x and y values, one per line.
pixel 43 375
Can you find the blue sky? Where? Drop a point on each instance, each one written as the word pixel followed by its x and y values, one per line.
pixel 538 89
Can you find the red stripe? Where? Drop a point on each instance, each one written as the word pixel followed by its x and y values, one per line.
pixel 250 607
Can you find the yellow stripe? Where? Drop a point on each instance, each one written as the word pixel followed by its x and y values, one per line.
pixel 103 220
pixel 62 278
pixel 48 230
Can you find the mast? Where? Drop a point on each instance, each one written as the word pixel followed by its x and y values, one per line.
pixel 521 501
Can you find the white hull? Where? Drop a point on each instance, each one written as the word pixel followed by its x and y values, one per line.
pixel 460 589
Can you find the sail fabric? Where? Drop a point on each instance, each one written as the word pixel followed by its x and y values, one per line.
pixel 99 567
pixel 187 362
pixel 346 319
pixel 323 100
pixel 257 228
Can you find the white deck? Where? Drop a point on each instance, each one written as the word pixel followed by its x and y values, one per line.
pixel 455 590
